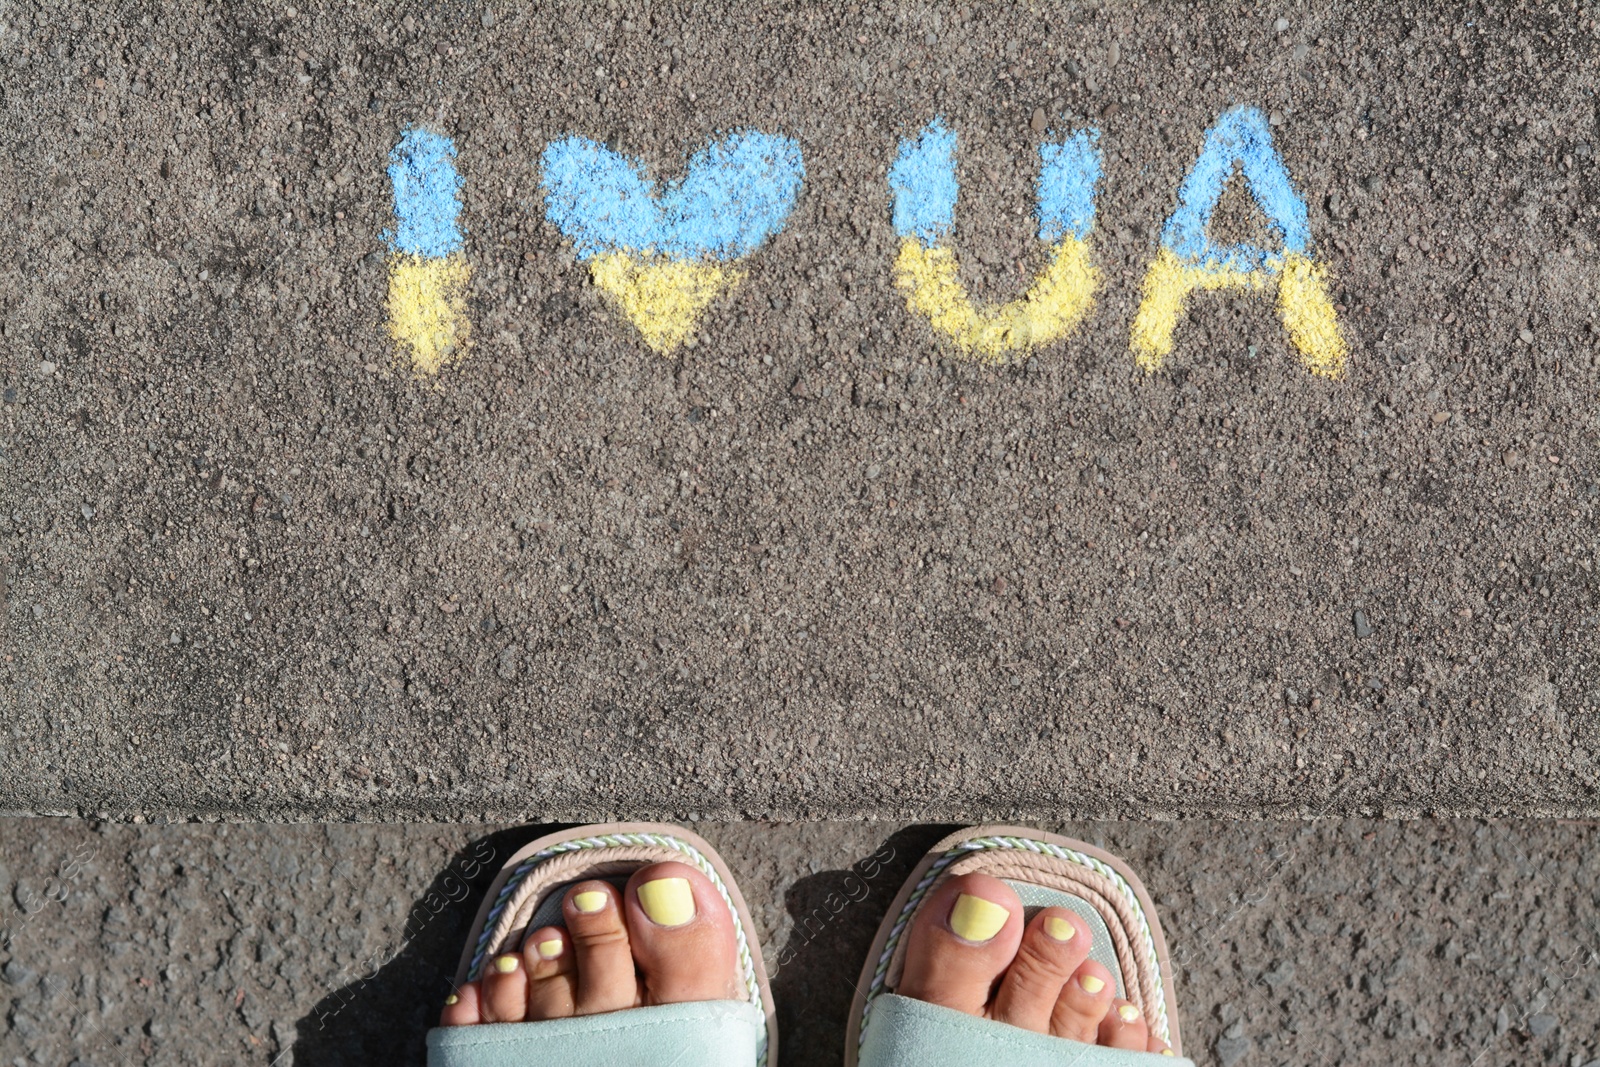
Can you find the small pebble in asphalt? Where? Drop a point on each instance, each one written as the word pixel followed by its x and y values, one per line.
pixel 1230 1050
pixel 1363 627
pixel 16 974
pixel 1281 25
pixel 1542 1024
pixel 1036 123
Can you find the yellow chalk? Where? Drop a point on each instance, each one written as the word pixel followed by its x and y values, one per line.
pixel 428 308
pixel 1303 305
pixel 1056 302
pixel 1308 314
pixel 663 298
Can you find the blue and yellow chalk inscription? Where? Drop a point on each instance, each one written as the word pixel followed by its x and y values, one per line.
pixel 1187 260
pixel 428 270
pixel 924 184
pixel 664 258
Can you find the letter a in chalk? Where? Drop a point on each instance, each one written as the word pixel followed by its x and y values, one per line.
pixel 1187 260
pixel 923 181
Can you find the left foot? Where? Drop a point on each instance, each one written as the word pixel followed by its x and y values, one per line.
pixel 666 938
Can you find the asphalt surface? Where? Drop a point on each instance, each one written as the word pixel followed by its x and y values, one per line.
pixel 815 564
pixel 1337 941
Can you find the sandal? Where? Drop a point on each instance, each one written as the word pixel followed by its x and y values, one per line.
pixel 888 1030
pixel 527 894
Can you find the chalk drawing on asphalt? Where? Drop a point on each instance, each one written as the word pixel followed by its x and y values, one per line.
pixel 428 272
pixel 664 257
pixel 924 185
pixel 1188 260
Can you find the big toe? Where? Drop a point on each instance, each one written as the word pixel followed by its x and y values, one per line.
pixel 682 935
pixel 961 941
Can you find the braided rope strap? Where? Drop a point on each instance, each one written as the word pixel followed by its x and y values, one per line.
pixel 1127 907
pixel 508 895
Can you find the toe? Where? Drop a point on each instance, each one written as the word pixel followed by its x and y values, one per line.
pixel 1054 944
pixel 1124 1027
pixel 505 989
pixel 682 935
pixel 599 939
pixel 552 974
pixel 1084 1001
pixel 461 1007
pixel 960 943
pixel 1158 1046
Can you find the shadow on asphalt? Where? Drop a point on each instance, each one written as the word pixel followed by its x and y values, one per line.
pixel 836 915
pixel 383 1013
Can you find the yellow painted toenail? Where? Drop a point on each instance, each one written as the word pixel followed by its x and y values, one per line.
pixel 549 950
pixel 1091 984
pixel 589 902
pixel 1168 1052
pixel 1128 1012
pixel 505 964
pixel 451 1000
pixel 668 901
pixel 977 919
pixel 1059 929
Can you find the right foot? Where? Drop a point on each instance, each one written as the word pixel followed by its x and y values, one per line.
pixel 667 938
pixel 969 950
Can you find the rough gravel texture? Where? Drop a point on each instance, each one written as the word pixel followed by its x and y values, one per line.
pixel 815 565
pixel 1336 941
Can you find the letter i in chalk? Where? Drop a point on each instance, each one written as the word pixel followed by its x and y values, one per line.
pixel 428 271
pixel 1187 260
pixel 923 181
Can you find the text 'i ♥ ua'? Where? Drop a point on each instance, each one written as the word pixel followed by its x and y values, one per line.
pixel 662 253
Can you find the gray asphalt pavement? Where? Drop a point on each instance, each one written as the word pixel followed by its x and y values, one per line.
pixel 1333 942
pixel 815 563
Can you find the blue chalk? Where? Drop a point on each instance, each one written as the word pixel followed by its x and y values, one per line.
pixel 1068 175
pixel 1240 136
pixel 427 197
pixel 923 180
pixel 735 194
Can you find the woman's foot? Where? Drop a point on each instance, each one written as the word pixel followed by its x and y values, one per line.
pixel 666 938
pixel 969 950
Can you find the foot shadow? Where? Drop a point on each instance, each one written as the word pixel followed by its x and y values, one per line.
pixel 382 1013
pixel 836 915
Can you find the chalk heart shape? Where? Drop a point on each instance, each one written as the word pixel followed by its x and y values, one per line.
pixel 664 257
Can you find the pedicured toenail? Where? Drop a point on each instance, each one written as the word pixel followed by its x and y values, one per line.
pixel 1168 1052
pixel 668 901
pixel 451 1000
pixel 549 950
pixel 505 964
pixel 1091 984
pixel 1059 929
pixel 976 919
pixel 590 902
pixel 1128 1013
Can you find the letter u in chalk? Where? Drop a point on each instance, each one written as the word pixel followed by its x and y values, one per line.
pixel 1187 260
pixel 924 184
pixel 428 271
pixel 664 258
